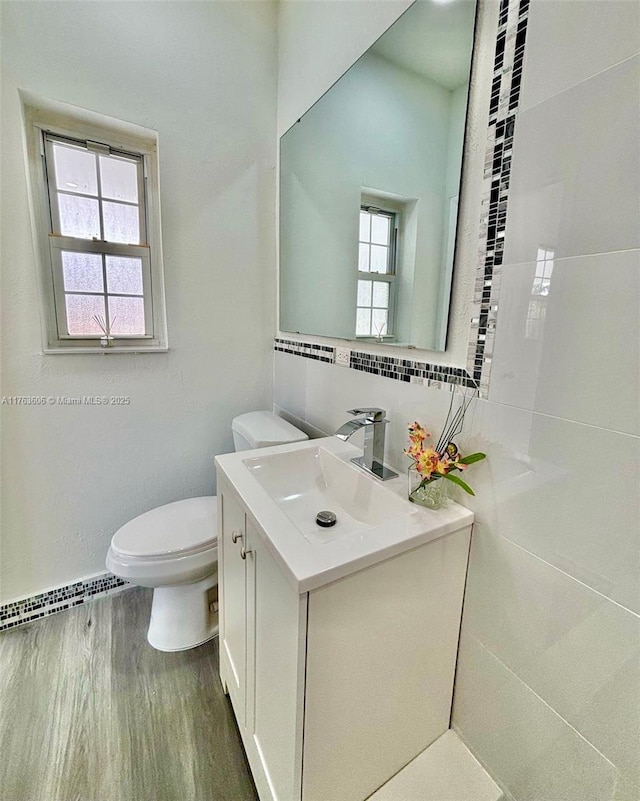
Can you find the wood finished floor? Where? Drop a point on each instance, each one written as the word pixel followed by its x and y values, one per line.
pixel 90 712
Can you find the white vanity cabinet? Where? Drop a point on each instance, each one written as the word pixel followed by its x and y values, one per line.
pixel 336 689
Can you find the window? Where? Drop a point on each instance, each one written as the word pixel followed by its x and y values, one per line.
pixel 376 273
pixel 96 225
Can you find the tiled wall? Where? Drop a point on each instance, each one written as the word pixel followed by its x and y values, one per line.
pixel 547 689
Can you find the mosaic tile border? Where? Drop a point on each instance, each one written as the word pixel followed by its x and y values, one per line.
pixel 17 613
pixel 504 102
pixel 310 350
pixel 503 108
pixel 430 375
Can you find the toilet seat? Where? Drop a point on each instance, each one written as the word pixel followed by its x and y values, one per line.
pixel 176 529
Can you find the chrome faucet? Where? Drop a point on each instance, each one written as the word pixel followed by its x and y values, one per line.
pixel 373 423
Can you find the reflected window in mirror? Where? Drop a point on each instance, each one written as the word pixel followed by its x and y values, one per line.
pixel 377 247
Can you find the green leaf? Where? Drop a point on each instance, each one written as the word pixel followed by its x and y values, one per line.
pixel 473 457
pixel 460 483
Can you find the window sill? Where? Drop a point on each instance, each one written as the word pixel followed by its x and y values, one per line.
pixel 66 351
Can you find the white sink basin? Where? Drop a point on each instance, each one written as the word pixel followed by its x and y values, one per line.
pixel 305 482
pixel 285 486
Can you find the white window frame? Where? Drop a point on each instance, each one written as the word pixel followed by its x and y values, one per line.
pixel 372 205
pixel 46 121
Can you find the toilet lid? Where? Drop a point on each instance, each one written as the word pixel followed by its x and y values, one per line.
pixel 181 527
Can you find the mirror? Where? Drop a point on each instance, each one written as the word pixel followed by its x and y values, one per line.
pixel 369 183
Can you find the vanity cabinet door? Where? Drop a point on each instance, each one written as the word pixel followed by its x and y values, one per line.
pixel 381 656
pixel 233 607
pixel 262 651
pixel 276 615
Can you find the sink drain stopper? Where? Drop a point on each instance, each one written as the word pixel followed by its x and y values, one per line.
pixel 326 519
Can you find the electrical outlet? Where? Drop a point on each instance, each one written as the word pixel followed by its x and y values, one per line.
pixel 343 357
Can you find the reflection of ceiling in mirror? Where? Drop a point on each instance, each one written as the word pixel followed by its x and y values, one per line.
pixel 433 39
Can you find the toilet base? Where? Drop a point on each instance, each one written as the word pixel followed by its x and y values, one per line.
pixel 180 616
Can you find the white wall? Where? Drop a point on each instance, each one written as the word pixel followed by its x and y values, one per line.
pixel 204 76
pixel 547 689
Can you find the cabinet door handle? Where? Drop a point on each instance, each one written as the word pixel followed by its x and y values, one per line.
pixel 235 536
pixel 244 552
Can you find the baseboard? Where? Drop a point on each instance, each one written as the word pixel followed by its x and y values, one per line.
pixel 26 610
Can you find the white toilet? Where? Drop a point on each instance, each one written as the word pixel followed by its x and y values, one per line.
pixel 174 549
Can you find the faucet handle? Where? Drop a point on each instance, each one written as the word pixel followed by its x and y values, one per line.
pixel 376 415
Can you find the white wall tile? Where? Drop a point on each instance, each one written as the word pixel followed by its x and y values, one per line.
pixel 573 647
pixel 576 170
pixel 321 394
pixel 290 383
pixel 601 32
pixel 541 486
pixel 521 741
pixel 568 493
pixel 582 361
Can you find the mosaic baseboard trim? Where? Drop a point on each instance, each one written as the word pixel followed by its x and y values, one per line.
pixel 48 603
pixel 310 350
pixel 504 103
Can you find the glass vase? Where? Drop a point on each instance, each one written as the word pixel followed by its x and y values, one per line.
pixel 430 493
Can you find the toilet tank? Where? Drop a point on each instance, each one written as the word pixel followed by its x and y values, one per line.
pixel 262 429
